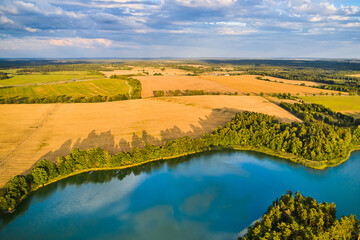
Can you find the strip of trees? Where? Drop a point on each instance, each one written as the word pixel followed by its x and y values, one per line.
pixel 316 142
pixel 187 92
pixel 300 217
pixel 312 112
pixel 3 76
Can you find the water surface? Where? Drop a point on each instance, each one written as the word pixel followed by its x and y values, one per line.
pixel 211 195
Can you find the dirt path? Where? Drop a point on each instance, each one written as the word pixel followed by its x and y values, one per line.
pixel 129 88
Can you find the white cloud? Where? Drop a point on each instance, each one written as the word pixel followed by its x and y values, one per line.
pixel 5 20
pixel 206 3
pixel 31 29
pixel 81 42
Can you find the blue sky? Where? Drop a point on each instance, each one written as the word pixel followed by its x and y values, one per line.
pixel 180 28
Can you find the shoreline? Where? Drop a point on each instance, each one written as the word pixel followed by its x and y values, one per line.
pixel 318 165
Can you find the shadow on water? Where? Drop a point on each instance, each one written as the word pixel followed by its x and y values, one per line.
pixel 106 140
pixel 96 177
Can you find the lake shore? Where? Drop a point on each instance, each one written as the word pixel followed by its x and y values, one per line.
pixel 319 165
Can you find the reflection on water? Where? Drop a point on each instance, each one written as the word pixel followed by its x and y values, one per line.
pixel 211 195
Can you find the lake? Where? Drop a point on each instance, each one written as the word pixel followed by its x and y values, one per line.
pixel 213 195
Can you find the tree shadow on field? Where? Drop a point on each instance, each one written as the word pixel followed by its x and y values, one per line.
pixel 106 140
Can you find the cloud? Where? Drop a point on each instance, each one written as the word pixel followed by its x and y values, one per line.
pixel 5 20
pixel 80 42
pixel 167 25
pixel 206 3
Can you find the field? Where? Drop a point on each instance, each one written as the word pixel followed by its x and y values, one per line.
pixel 295 82
pixel 146 71
pixel 354 75
pixel 47 78
pixel 243 84
pixel 154 83
pixel 36 131
pixel 348 104
pixel 87 88
pixel 249 84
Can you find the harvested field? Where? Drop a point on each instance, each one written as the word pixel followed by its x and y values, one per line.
pixel 295 82
pixel 154 83
pixel 149 70
pixel 249 84
pixel 36 131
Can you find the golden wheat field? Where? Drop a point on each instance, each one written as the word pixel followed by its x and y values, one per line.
pixel 150 84
pixel 295 82
pixel 146 71
pixel 243 84
pixel 32 132
pixel 249 84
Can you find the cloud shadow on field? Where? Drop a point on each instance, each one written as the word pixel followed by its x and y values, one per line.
pixel 106 140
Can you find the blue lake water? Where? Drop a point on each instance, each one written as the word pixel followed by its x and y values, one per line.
pixel 212 195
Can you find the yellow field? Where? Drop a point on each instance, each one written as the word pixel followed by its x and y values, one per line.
pixel 249 84
pixel 150 84
pixel 295 82
pixel 242 84
pixel 150 70
pixel 29 133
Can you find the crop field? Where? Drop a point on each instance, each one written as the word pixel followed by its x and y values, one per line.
pixel 294 82
pixel 35 131
pixel 354 75
pixel 146 71
pixel 47 78
pixel 104 87
pixel 249 84
pixel 348 104
pixel 242 84
pixel 153 83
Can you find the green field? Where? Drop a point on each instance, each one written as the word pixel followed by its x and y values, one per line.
pixel 48 77
pixel 336 103
pixel 104 87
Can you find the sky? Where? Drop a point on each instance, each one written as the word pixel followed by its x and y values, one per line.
pixel 179 28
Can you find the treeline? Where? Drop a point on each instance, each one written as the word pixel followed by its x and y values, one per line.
pixel 62 67
pixel 187 92
pixel 312 112
pixel 282 96
pixel 300 217
pixel 3 76
pixel 352 89
pixel 64 99
pixel 317 142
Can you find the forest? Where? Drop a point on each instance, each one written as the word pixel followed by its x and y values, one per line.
pixel 315 145
pixel 300 217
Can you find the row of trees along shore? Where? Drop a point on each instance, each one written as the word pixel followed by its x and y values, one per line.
pixel 315 145
pixel 135 94
pixel 300 217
